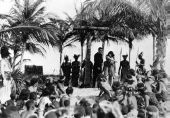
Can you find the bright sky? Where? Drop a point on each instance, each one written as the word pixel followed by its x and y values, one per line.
pixel 50 62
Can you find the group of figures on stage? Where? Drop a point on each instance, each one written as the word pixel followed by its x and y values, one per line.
pixel 71 71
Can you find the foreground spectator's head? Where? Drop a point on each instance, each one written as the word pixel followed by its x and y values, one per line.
pixel 109 110
pixel 34 81
pixel 69 91
pixel 46 92
pixel 116 85
pixel 152 112
pixel 13 96
pixel 79 111
pixel 33 96
pixel 30 105
pixel 24 95
pixel 132 72
pixel 59 113
pixel 10 112
pixel 67 103
pixel 84 102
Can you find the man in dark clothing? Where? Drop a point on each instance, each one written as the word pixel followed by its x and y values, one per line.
pixel 85 82
pixel 66 68
pixel 124 68
pixel 75 71
pixel 97 69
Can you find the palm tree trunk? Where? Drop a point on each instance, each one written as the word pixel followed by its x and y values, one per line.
pixel 161 52
pixel 130 55
pixel 61 54
pixel 154 42
pixel 22 57
pixel 81 71
pixel 88 73
pixel 103 46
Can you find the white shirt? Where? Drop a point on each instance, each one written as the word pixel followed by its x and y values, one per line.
pixel 5 66
pixel 43 102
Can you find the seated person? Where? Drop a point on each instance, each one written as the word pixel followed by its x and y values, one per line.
pixel 23 97
pixel 105 88
pixel 30 109
pixel 152 112
pixel 12 101
pixel 44 102
pixel 33 96
pixel 10 112
pixel 69 96
pixel 60 85
pixel 33 85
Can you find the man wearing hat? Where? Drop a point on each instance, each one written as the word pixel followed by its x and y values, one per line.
pixel 124 68
pixel 66 68
pixel 75 71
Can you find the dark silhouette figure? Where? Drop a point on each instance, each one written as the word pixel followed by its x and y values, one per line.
pixel 124 68
pixel 75 71
pixel 84 70
pixel 66 68
pixel 97 69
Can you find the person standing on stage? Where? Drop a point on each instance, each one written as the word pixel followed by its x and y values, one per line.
pixel 110 67
pixel 124 68
pixel 75 71
pixel 66 68
pixel 98 60
pixel 141 64
pixel 6 74
pixel 86 83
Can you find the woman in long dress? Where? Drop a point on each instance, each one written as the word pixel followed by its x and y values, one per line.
pixel 6 74
pixel 110 67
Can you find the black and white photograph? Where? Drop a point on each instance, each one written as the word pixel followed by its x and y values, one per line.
pixel 84 58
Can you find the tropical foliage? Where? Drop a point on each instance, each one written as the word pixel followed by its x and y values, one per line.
pixel 24 28
pixel 157 13
pixel 61 33
pixel 123 19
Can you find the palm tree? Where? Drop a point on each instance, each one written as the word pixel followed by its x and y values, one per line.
pixel 122 17
pixel 156 9
pixel 124 21
pixel 62 33
pixel 24 23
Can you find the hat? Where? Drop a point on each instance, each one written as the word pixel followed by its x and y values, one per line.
pixel 125 56
pixel 129 77
pixel 76 56
pixel 66 57
pixel 141 54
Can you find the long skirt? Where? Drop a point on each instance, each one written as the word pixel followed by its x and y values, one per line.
pixel 5 91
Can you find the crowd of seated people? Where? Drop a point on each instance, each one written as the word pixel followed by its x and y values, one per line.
pixel 139 96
